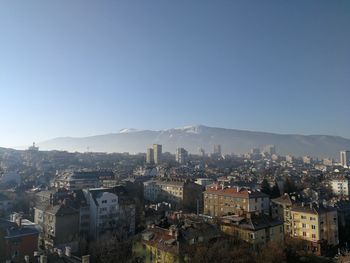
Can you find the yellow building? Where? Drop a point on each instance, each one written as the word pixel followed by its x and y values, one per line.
pixel 318 225
pixel 256 230
pixel 158 245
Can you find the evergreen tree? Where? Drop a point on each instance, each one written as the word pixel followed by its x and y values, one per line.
pixel 275 191
pixel 265 187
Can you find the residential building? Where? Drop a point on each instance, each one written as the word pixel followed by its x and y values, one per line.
pixel 270 149
pixel 220 201
pixel 84 179
pixel 217 150
pixel 281 209
pixel 181 194
pixel 307 160
pixel 111 211
pixel 75 199
pixel 316 224
pixel 256 230
pixel 345 158
pixel 340 187
pixel 18 239
pixel 289 158
pixel 181 155
pixel 150 156
pixel 327 161
pixel 159 245
pixel 157 151
pixel 170 245
pixel 59 224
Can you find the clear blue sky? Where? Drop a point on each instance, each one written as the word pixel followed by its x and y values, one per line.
pixel 77 68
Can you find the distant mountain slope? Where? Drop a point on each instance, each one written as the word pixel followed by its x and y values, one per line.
pixel 193 137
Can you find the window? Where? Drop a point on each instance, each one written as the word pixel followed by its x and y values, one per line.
pixel 313 227
pixel 313 235
pixel 304 234
pixel 303 217
pixel 104 201
pixel 304 225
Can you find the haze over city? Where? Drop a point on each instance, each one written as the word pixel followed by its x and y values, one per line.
pixel 79 68
pixel 174 131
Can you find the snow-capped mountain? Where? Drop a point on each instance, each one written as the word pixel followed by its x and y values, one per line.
pixel 198 136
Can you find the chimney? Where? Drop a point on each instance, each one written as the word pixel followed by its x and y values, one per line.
pixel 68 251
pixel 85 259
pixel 43 259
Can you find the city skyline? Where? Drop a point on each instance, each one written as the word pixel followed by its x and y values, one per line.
pixel 86 68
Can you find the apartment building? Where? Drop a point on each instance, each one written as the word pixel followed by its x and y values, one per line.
pixel 318 225
pixel 281 208
pixel 59 224
pixel 340 187
pixel 181 194
pixel 111 210
pixel 220 201
pixel 85 179
pixel 256 230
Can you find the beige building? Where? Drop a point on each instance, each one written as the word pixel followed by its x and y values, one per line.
pixel 256 230
pixel 316 224
pixel 182 194
pixel 340 187
pixel 345 158
pixel 157 151
pixel 181 155
pixel 220 201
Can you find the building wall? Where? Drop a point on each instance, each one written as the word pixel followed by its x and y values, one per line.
pixel 315 227
pixel 340 187
pixel 25 245
pixel 257 238
pixel 219 205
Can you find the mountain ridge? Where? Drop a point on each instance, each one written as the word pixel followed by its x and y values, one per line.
pixel 200 136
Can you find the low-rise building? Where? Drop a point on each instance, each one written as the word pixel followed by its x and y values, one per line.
pixel 59 224
pixel 220 201
pixel 85 179
pixel 18 239
pixel 281 209
pixel 256 230
pixel 111 210
pixel 340 187
pixel 316 224
pixel 181 194
pixel 159 245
